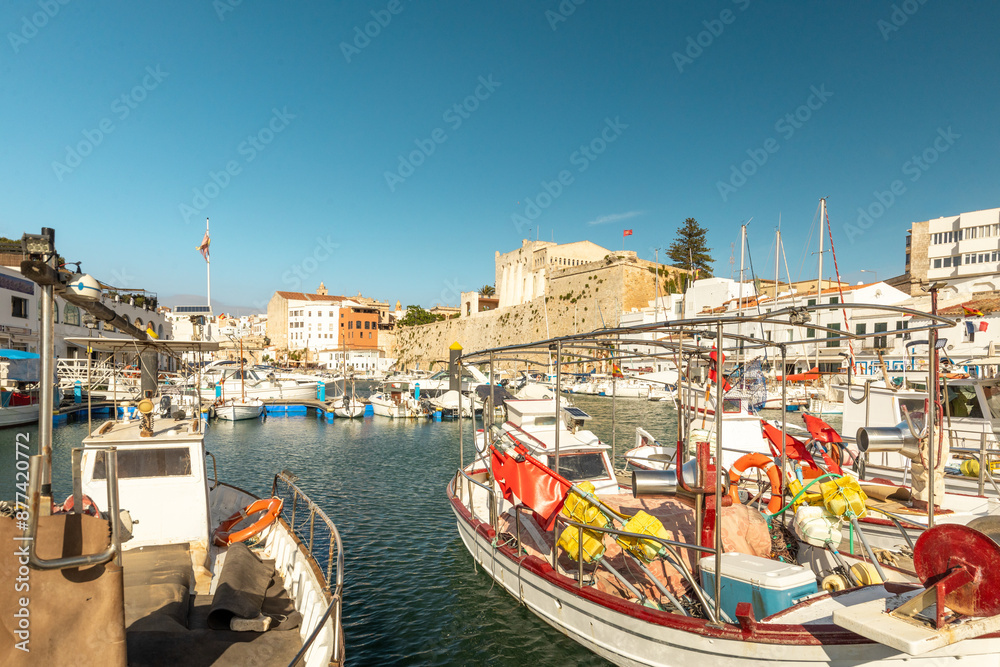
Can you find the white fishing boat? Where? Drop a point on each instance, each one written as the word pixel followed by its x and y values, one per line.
pixel 396 400
pixel 19 376
pixel 152 560
pixel 673 571
pixel 238 409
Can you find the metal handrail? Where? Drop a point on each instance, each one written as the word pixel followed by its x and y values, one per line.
pixel 491 496
pixel 35 497
pixel 215 470
pixel 337 589
pixel 670 545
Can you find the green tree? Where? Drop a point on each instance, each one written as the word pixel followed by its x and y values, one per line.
pixel 689 251
pixel 415 315
pixel 487 290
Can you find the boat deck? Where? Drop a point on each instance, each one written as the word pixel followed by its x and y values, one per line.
pixel 169 624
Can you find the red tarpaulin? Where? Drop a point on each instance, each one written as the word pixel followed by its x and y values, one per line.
pixel 824 433
pixel 538 487
pixel 711 371
pixel 813 374
pixel 794 449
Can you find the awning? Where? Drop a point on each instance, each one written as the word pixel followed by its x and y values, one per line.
pixel 132 344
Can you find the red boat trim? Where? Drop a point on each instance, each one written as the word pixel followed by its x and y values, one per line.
pixel 765 633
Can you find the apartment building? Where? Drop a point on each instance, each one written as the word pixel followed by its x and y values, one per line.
pixel 961 250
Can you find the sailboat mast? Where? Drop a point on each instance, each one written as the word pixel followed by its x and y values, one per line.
pixel 819 283
pixel 243 389
pixel 739 309
pixel 208 269
pixel 777 251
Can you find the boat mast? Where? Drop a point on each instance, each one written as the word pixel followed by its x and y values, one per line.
pixel 739 309
pixel 819 283
pixel 208 269
pixel 243 389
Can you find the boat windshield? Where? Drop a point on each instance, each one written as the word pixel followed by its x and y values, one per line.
pixel 581 467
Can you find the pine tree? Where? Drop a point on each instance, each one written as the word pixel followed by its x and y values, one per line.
pixel 688 251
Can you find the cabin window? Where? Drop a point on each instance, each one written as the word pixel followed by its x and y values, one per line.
pixel 963 402
pixel 580 467
pixel 730 405
pixel 133 463
pixel 544 420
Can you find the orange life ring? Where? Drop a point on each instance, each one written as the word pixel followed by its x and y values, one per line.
pixel 222 537
pixel 766 464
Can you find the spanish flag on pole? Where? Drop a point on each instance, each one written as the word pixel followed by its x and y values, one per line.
pixel 972 312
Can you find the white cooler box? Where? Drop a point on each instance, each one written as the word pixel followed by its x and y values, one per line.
pixel 769 585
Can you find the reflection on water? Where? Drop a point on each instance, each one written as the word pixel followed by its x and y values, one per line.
pixel 412 593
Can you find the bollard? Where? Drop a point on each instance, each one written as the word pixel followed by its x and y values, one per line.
pixel 416 391
pixel 77 392
pixel 321 390
pixel 218 391
pixel 369 410
pixel 437 415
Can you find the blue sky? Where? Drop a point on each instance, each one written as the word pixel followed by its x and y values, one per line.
pixel 321 152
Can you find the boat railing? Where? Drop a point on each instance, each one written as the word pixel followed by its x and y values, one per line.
pixel 303 508
pixel 113 550
pixel 470 483
pixel 671 547
pixel 984 456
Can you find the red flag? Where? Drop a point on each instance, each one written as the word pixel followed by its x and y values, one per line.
pixel 628 232
pixel 824 433
pixel 538 487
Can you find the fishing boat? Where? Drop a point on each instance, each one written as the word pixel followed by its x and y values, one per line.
pixel 152 559
pixel 238 409
pixel 19 382
pixel 675 570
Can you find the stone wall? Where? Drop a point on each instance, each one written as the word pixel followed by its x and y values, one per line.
pixel 580 299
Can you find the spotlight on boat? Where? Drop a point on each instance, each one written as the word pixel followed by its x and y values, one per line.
pixel 888 439
pixel 647 483
pixel 84 286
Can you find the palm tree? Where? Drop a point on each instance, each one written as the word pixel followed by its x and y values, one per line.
pixel 487 290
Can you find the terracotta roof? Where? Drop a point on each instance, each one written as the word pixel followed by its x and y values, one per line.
pixel 986 304
pixel 304 296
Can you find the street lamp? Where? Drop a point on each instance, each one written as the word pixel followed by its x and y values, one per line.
pixel 873 272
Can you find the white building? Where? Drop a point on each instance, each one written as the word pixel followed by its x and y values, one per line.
pixel 961 250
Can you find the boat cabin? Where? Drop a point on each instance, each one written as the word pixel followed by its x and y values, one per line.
pixel 582 455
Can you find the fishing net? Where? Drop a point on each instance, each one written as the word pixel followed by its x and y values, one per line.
pixel 748 383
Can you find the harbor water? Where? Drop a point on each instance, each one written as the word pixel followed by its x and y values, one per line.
pixel 412 595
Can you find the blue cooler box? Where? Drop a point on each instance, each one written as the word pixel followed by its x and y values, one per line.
pixel 769 585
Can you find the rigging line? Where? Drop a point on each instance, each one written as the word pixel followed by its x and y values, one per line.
pixel 805 252
pixel 840 289
pixel 757 300
pixel 794 293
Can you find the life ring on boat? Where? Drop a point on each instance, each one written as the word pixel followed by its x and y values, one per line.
pixel 765 463
pixel 89 506
pixel 223 537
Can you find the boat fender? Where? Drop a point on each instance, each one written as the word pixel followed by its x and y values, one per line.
pixel 763 462
pixel 834 583
pixel 223 535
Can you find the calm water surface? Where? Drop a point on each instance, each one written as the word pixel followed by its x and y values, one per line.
pixel 412 595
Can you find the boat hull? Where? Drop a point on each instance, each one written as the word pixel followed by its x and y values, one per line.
pixel 633 637
pixel 239 412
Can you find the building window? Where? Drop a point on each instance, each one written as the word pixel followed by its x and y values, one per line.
pixel 350 324
pixel 810 333
pixel 367 323
pixel 811 302
pixel 834 300
pixel 833 334
pixel 901 326
pixel 937 263
pixel 71 314
pixel 881 341
pixel 359 324
pixel 18 307
pixel 369 335
pixel 859 329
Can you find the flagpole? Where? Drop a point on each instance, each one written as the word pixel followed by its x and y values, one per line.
pixel 208 269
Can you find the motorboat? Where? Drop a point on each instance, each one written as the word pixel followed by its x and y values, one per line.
pixel 19 395
pixel 396 400
pixel 224 382
pixel 448 404
pixel 152 560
